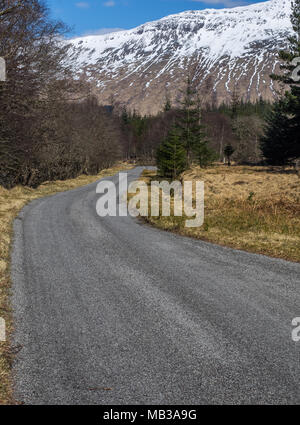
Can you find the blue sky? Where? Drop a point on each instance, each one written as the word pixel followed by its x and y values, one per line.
pixel 100 16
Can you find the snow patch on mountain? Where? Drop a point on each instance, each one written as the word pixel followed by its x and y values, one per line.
pixel 226 46
pixel 220 32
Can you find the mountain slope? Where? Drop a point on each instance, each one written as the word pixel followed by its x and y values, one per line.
pixel 219 49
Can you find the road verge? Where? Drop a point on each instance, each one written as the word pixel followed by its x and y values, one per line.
pixel 11 203
pixel 255 209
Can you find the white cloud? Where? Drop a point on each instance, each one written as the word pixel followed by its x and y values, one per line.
pixel 82 5
pixel 102 31
pixel 109 3
pixel 225 3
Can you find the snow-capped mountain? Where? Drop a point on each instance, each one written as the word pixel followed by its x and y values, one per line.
pixel 219 49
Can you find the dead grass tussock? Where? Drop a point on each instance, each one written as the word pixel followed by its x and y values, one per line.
pixel 256 209
pixel 11 202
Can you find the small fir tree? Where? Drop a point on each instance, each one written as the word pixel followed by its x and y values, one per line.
pixel 171 156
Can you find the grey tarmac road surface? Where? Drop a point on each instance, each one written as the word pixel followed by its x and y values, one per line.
pixel 113 311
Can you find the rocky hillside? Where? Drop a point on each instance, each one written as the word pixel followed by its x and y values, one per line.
pixel 219 49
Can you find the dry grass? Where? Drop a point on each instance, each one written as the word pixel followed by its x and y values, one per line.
pixel 256 209
pixel 11 202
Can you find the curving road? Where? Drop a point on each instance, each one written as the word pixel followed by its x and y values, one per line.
pixel 112 311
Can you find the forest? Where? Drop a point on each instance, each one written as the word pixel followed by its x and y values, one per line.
pixel 53 127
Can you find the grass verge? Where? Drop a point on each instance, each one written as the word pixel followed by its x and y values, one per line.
pixel 256 209
pixel 11 202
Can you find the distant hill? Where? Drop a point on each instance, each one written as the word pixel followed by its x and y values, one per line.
pixel 219 49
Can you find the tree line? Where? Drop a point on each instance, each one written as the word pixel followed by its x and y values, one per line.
pixel 142 135
pixel 52 127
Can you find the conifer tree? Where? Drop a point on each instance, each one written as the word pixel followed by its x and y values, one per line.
pixel 294 96
pixel 188 123
pixel 192 131
pixel 275 143
pixel 281 142
pixel 203 154
pixel 171 156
